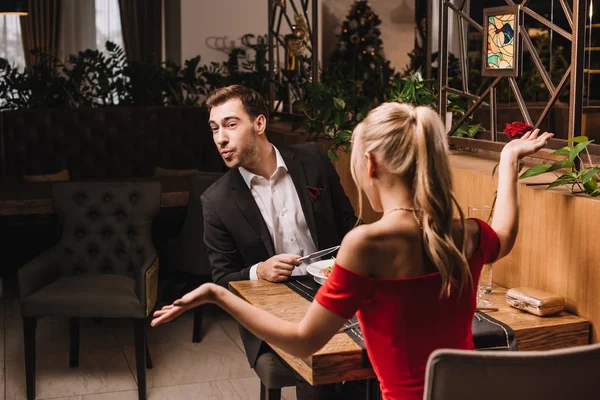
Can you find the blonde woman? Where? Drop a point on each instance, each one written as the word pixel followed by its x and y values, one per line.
pixel 411 276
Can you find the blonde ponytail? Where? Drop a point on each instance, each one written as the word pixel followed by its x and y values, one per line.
pixel 413 144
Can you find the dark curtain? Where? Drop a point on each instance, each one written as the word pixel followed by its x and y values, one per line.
pixel 141 22
pixel 40 29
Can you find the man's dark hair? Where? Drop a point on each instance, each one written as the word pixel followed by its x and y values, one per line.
pixel 251 100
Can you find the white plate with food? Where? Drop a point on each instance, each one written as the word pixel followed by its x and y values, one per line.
pixel 321 270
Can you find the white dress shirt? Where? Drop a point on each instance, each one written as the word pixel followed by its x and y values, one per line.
pixel 279 204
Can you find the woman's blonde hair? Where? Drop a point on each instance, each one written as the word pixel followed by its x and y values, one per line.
pixel 412 143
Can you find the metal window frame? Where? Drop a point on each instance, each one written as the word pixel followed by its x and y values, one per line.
pixel 576 19
pixel 277 14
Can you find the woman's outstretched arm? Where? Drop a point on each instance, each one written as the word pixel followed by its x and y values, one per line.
pixel 300 339
pixel 506 213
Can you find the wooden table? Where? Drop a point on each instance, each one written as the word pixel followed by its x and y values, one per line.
pixel 341 358
pixel 18 198
pixel 540 333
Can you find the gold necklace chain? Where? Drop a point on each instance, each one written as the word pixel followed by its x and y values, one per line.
pixel 410 209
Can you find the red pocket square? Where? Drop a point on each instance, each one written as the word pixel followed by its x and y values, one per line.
pixel 314 192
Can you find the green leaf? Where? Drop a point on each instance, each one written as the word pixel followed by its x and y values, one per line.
pixel 462 129
pixel 339 118
pixel 408 92
pixel 345 136
pixel 535 171
pixel 561 164
pixel 578 139
pixel 588 174
pixel 563 180
pixel 361 115
pixel 564 151
pixel 590 186
pixel 339 104
pixel 577 149
pixel 473 129
pixel 332 155
pixel 595 193
pixel 299 106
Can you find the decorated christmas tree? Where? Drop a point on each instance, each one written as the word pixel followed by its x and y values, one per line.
pixel 359 55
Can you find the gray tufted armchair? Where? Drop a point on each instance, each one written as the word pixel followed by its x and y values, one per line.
pixel 103 266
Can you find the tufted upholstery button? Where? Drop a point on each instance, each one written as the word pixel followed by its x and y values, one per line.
pixel 68 251
pixel 133 198
pixel 79 233
pixel 77 271
pixel 93 215
pixel 120 252
pixel 106 198
pixel 120 214
pixel 131 232
pixel 139 250
pixel 79 198
pixel 93 252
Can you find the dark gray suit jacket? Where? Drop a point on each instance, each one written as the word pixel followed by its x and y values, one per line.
pixel 236 235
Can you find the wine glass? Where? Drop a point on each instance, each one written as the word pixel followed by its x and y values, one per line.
pixel 484 286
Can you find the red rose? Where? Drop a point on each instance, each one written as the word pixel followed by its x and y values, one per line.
pixel 516 128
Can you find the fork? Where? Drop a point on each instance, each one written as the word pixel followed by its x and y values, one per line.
pixel 346 327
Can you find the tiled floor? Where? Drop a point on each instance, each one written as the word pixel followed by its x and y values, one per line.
pixel 215 369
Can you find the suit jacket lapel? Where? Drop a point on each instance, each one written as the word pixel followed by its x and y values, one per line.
pixel 247 204
pixel 297 171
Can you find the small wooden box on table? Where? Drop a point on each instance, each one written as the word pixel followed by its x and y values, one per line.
pixel 341 359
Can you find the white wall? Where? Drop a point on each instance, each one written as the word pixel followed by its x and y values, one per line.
pixel 209 24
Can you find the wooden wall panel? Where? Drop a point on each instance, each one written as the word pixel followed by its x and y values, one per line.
pixel 556 248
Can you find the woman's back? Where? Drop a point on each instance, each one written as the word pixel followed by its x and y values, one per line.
pixel 402 315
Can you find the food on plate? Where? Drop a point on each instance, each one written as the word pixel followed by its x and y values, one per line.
pixel 327 271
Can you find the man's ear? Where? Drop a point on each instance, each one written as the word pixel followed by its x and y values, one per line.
pixel 260 124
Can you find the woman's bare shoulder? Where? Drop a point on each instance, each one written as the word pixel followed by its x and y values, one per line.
pixel 356 247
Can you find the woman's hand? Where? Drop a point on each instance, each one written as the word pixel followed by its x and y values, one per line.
pixel 201 295
pixel 528 144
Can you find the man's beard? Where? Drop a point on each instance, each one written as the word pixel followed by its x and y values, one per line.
pixel 248 154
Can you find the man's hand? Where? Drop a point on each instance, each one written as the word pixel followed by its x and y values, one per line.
pixel 277 268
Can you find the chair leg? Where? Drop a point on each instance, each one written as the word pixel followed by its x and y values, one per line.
pixel 148 359
pixel 73 342
pixel 373 389
pixel 198 317
pixel 29 325
pixel 269 394
pixel 139 333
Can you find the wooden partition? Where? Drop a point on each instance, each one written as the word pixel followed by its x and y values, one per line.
pixel 556 249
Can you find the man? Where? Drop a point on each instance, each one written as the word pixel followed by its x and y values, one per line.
pixel 272 207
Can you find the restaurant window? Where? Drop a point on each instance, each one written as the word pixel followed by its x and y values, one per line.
pixel 102 16
pixel 11 47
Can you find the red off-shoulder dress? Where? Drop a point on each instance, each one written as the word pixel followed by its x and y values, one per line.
pixel 404 320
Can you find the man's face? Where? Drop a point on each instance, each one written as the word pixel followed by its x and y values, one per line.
pixel 234 133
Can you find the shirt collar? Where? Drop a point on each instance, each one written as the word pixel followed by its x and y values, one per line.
pixel 249 176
